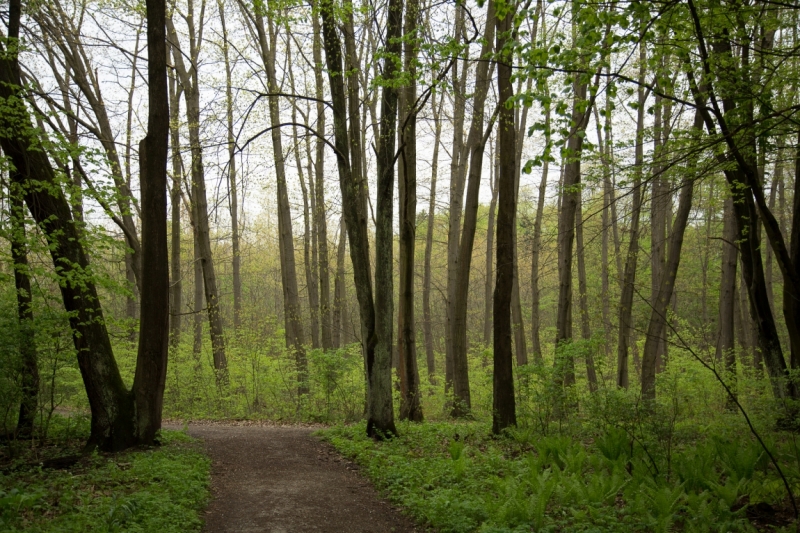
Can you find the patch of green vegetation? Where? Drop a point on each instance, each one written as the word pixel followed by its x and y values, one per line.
pixel 160 489
pixel 456 477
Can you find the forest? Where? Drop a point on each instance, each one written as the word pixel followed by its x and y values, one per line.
pixel 534 265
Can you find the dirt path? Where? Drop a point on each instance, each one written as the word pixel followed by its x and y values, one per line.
pixel 284 480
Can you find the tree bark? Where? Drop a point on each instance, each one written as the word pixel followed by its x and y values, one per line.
pixel 110 403
pixel 570 196
pixel 476 142
pixel 320 212
pixel 456 199
pixel 176 284
pixel 191 92
pixel 726 346
pixel 27 345
pixel 537 244
pixel 266 37
pixel 656 330
pixel 310 264
pixel 233 195
pixel 410 408
pixel 488 287
pixel 583 298
pixel 427 327
pixel 503 404
pixel 339 336
pixel 354 216
pixel 626 298
pixel 380 422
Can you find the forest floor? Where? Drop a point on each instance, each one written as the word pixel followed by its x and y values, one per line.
pixel 282 479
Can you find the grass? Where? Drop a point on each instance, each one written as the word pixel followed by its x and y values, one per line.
pixel 455 477
pixel 160 490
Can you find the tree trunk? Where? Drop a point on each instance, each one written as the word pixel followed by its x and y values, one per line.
pixel 199 292
pixel 309 234
pixel 291 300
pixel 586 332
pixel 151 361
pixel 410 408
pixel 427 327
pixel 503 404
pixel 476 142
pixel 537 243
pixel 570 197
pixel 27 345
pixel 456 199
pixel 339 336
pixel 176 285
pixel 488 287
pixel 110 403
pixel 354 215
pixel 658 229
pixel 232 188
pixel 726 347
pixel 605 286
pixel 191 92
pixel 320 211
pixel 626 298
pixel 380 422
pixel 656 330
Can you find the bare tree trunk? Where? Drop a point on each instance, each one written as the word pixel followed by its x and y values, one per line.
pixel 504 407
pixel 320 211
pixel 660 198
pixel 656 330
pixel 426 280
pixel 151 360
pixel 626 298
pixel 339 336
pixel 232 188
pixel 605 297
pixel 410 408
pixel 267 42
pixel 309 263
pixel 199 291
pixel 110 403
pixel 726 347
pixel 381 418
pixel 586 332
pixel 489 284
pixel 27 345
pixel 457 178
pixel 190 82
pixel 536 246
pixel 176 285
pixel 309 233
pixel 476 143
pixel 521 125
pixel 570 193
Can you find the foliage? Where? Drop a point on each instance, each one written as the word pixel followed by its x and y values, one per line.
pixel 161 489
pixel 455 477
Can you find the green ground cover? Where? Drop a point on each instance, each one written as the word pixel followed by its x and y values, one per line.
pixel 159 490
pixel 455 477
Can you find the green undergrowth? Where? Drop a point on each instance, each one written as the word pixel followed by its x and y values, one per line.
pixel 161 489
pixel 455 477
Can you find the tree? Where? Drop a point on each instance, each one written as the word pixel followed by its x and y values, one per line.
pixel 189 80
pixel 503 406
pixel 380 415
pixel 410 408
pixel 120 418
